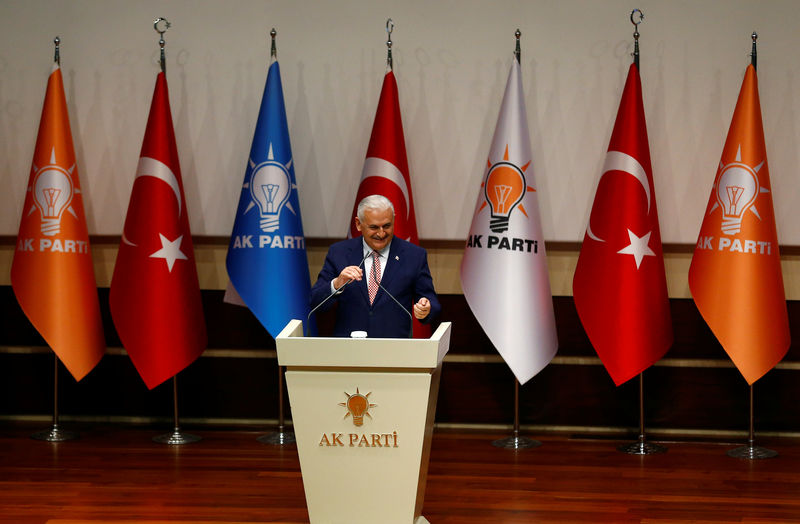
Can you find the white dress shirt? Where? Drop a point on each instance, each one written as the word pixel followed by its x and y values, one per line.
pixel 366 254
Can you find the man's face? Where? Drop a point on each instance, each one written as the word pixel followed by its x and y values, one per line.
pixel 377 228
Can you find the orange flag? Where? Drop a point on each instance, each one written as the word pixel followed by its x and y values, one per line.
pixel 735 275
pixel 52 273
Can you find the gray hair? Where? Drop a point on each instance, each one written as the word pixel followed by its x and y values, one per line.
pixel 373 203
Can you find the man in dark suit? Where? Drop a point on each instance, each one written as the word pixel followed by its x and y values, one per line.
pixel 354 268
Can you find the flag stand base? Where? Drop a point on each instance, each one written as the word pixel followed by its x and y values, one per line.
pixel 516 443
pixel 278 438
pixel 55 434
pixel 642 448
pixel 751 452
pixel 177 438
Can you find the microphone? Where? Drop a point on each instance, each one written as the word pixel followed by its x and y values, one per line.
pixel 407 312
pixel 335 292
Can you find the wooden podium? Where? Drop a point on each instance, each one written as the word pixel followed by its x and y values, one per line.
pixel 363 413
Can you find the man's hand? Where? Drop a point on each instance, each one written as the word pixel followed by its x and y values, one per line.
pixel 348 274
pixel 422 308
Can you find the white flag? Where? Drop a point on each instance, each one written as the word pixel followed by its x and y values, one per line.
pixel 504 269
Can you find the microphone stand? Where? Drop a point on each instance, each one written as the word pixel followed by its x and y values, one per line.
pixel 335 292
pixel 410 316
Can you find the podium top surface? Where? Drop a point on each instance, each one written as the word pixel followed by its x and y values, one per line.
pixel 296 350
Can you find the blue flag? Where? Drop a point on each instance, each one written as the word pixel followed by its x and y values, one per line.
pixel 267 261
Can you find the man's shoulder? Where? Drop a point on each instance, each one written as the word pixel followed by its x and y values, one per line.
pixel 345 245
pixel 404 246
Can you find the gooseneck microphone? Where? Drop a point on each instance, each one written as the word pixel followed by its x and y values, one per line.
pixel 410 316
pixel 335 292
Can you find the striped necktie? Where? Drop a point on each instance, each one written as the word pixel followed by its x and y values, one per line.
pixel 374 276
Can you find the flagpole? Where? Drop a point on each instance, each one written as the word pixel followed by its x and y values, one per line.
pixel 750 450
pixel 641 446
pixel 55 434
pixel 161 42
pixel 636 34
pixel 389 29
pixel 515 441
pixel 281 436
pixel 177 436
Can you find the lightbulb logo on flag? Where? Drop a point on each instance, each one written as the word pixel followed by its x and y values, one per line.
pixel 503 258
pixel 52 191
pixel 504 188
pixel 736 190
pixel 270 186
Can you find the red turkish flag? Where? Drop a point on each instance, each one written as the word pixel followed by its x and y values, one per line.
pixel 155 294
pixel 620 286
pixel 386 166
pixel 386 172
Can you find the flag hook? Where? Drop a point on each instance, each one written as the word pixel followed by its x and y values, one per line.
pixel 273 51
pixel 161 41
pixel 637 16
pixel 517 52
pixel 57 56
pixel 389 29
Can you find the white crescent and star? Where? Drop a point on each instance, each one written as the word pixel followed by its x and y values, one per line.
pixel 155 168
pixel 170 249
pixel 618 161
pixel 638 247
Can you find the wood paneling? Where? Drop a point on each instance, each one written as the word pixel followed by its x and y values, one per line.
pixel 476 388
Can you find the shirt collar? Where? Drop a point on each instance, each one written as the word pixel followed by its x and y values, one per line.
pixel 384 253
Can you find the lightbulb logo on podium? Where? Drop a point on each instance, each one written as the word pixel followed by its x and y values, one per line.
pixel 736 191
pixel 357 407
pixel 504 189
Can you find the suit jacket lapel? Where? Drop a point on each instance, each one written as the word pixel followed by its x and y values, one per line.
pixel 392 263
pixel 355 257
